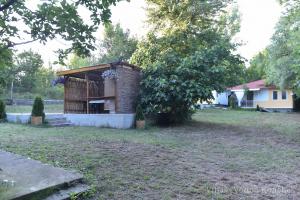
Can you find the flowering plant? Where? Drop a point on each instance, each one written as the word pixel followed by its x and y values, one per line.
pixel 59 80
pixel 110 74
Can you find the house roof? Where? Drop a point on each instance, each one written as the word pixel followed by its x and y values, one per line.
pixel 78 72
pixel 254 85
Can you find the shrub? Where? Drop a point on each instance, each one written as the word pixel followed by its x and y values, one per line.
pixel 233 102
pixel 257 108
pixel 296 103
pixel 38 108
pixel 172 93
pixel 139 113
pixel 2 111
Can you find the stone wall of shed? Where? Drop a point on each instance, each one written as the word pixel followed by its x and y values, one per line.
pixel 127 89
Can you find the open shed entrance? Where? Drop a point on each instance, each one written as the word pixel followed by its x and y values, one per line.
pixel 107 88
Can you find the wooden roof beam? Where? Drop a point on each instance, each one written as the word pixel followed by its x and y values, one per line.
pixel 93 68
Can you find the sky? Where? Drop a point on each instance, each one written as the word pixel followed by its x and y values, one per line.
pixel 259 18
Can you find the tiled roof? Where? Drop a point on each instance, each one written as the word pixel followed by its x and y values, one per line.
pixel 260 84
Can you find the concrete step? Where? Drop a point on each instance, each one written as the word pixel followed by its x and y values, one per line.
pixel 60 191
pixel 57 119
pixel 63 194
pixel 58 122
pixel 35 180
pixel 61 124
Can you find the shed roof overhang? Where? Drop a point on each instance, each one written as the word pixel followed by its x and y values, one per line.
pixel 94 72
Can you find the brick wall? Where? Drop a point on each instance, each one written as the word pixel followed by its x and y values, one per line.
pixel 127 89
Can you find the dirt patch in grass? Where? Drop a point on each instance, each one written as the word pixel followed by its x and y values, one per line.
pixel 201 160
pixel 232 162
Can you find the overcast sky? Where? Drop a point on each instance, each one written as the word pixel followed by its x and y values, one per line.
pixel 259 18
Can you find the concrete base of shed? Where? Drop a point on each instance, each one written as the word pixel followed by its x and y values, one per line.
pixel 119 121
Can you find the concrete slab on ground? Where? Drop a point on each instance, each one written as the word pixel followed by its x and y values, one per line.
pixel 24 178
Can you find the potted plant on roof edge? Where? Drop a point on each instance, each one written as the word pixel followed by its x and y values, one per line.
pixel 109 76
pixel 140 118
pixel 37 114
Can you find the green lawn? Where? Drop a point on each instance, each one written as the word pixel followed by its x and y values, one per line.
pixel 57 108
pixel 285 123
pixel 219 155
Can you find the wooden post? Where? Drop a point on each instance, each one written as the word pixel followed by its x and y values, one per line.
pixel 87 93
pixel 11 90
pixel 65 98
pixel 116 99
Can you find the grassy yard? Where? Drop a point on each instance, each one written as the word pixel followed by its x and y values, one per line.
pixel 56 108
pixel 221 154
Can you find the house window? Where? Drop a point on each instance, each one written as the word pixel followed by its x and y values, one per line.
pixel 283 95
pixel 275 95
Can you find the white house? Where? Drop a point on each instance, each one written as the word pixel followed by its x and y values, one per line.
pixel 258 94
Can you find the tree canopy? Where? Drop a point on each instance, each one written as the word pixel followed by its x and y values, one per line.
pixel 117 44
pixel 258 66
pixel 284 52
pixel 27 77
pixel 23 22
pixel 187 54
pixel 5 60
pixel 76 61
pixel 24 71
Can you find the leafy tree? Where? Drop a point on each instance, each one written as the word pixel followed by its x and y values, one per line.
pixel 171 16
pixel 258 66
pixel 187 55
pixel 29 78
pixel 5 62
pixel 46 20
pixel 284 51
pixel 78 61
pixel 21 71
pixel 25 70
pixel 43 84
pixel 6 58
pixel 116 45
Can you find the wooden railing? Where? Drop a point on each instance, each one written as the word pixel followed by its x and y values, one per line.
pixel 247 103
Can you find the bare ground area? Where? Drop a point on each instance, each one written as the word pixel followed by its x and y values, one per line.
pixel 220 155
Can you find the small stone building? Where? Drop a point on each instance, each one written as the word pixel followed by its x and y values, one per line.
pixel 102 89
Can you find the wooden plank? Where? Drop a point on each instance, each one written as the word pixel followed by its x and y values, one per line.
pixel 83 69
pixel 117 98
pixel 102 98
pixel 87 93
pixel 96 67
pixel 76 100
pixel 65 104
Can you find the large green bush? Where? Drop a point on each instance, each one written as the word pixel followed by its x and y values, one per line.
pixel 175 85
pixel 2 111
pixel 38 108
